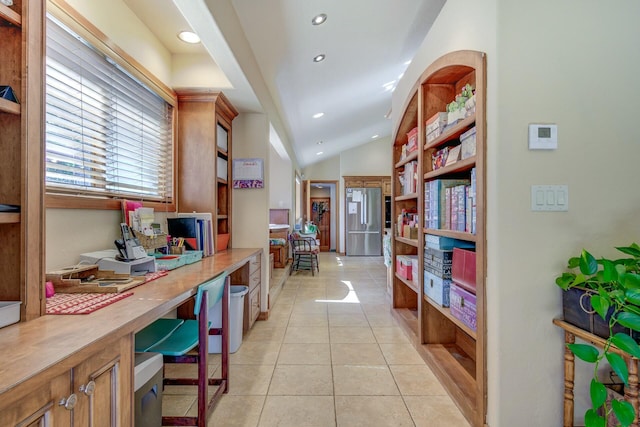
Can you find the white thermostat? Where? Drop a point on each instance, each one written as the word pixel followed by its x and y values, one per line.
pixel 543 137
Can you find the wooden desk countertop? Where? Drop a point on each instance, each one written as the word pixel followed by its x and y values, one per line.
pixel 52 344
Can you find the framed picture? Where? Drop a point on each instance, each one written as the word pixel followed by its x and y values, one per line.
pixel 248 173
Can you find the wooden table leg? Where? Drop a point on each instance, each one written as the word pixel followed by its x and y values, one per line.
pixel 631 392
pixel 569 373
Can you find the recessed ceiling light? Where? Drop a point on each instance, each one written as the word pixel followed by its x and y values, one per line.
pixel 319 58
pixel 319 19
pixel 375 136
pixel 318 153
pixel 317 116
pixel 189 37
pixel 319 142
pixel 407 62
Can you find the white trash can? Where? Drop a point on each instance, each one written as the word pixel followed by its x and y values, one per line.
pixel 236 316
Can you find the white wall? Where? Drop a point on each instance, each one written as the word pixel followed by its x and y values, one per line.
pixel 371 159
pixel 250 222
pixel 126 31
pixel 281 181
pixel 197 70
pixel 574 63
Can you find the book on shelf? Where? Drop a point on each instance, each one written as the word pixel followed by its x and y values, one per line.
pixel 437 200
pixel 439 158
pixel 453 156
pixel 468 144
pixel 410 177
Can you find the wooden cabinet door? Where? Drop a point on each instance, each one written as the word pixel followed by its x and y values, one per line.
pixel 40 406
pixel 254 304
pixel 104 387
pixel 386 187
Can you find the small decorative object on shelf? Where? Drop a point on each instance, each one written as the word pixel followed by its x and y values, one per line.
pixel 611 289
pixel 7 93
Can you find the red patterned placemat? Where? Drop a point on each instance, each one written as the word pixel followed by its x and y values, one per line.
pixel 81 303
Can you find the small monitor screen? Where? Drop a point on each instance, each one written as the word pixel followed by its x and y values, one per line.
pixel 544 132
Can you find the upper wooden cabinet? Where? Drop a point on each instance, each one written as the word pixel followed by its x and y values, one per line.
pixel 21 156
pixel 204 156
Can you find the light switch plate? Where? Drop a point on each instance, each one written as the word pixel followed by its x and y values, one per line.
pixel 549 198
pixel 543 136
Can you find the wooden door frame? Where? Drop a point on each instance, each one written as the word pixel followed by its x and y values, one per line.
pixel 335 208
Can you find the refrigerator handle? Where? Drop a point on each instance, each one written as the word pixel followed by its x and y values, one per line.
pixel 364 207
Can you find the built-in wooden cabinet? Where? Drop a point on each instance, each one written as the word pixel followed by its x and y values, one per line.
pixel 21 156
pixel 204 156
pixel 250 275
pixel 455 352
pixel 97 391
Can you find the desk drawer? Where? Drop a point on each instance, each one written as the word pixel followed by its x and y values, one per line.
pixel 254 304
pixel 254 280
pixel 254 264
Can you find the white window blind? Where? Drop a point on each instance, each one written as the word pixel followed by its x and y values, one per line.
pixel 107 134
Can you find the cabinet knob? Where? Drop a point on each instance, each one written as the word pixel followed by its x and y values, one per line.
pixel 89 388
pixel 69 402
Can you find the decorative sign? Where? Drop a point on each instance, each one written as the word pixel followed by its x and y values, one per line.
pixel 248 173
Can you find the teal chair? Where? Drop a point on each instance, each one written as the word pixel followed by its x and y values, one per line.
pixel 176 338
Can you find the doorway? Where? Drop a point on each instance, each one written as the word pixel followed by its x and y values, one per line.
pixel 323 211
pixel 321 216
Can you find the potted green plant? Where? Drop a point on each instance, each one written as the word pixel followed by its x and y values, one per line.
pixel 613 290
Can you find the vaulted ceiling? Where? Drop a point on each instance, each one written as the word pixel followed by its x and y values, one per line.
pixel 367 46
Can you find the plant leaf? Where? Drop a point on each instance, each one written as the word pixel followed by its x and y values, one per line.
pixel 619 366
pixel 598 393
pixel 574 262
pixel 625 343
pixel 632 250
pixel 633 296
pixel 624 412
pixel 565 280
pixel 609 273
pixel 592 419
pixel 600 305
pixel 585 352
pixel 629 320
pixel 629 280
pixel 588 264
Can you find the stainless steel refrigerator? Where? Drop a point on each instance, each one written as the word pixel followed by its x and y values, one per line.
pixel 364 221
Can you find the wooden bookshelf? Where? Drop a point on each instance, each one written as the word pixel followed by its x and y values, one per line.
pixel 453 350
pixel 205 139
pixel 21 163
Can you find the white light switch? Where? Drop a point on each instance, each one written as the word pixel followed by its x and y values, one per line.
pixel 549 197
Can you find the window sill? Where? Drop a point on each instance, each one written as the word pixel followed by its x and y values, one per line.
pixel 57 201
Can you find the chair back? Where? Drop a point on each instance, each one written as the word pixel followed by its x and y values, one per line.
pixel 214 289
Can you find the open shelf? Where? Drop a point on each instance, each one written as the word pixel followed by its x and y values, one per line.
pixel 9 217
pixel 446 312
pixel 452 133
pixel 410 242
pixel 461 235
pixel 409 283
pixel 408 321
pixel 10 15
pixel 9 107
pixel 451 365
pixel 407 197
pixel 459 166
pixel 410 157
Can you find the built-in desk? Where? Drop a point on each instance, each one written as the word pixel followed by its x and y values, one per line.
pixel 46 360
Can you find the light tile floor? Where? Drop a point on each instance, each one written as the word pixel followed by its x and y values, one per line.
pixel 331 354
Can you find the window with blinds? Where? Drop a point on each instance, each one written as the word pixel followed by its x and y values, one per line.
pixel 107 134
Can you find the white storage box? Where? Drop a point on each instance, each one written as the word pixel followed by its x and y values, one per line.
pixel 222 169
pixel 9 312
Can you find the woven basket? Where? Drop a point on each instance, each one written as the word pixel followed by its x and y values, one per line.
pixel 153 242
